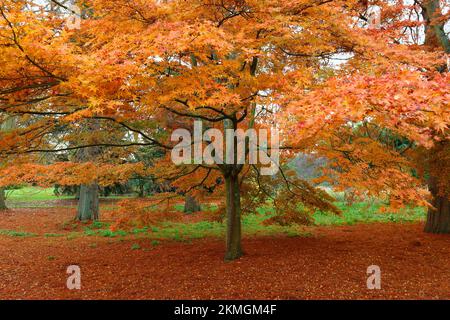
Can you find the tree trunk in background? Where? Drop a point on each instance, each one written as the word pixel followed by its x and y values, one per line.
pixel 2 199
pixel 438 218
pixel 88 204
pixel 435 35
pixel 191 204
pixel 233 240
pixel 77 193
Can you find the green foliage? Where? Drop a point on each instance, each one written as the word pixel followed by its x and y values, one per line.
pixel 145 185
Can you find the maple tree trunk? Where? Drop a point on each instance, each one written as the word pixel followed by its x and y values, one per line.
pixel 435 35
pixel 88 204
pixel 438 218
pixel 2 199
pixel 191 204
pixel 233 238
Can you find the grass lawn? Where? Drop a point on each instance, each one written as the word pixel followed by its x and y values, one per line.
pixel 252 224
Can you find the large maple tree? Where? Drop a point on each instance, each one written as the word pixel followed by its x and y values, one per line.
pixel 137 70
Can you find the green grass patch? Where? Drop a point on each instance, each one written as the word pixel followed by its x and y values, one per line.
pixel 72 235
pixel 53 235
pixel 12 233
pixel 363 212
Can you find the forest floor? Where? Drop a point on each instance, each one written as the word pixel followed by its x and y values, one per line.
pixel 321 262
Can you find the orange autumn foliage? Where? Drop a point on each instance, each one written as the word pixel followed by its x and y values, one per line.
pixel 140 69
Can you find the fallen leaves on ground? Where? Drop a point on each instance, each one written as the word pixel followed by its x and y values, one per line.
pixel 332 264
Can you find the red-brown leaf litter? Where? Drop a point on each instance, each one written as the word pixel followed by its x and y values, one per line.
pixel 331 264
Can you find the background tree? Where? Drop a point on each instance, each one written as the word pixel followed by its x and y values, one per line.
pixel 145 68
pixel 397 100
pixel 6 125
